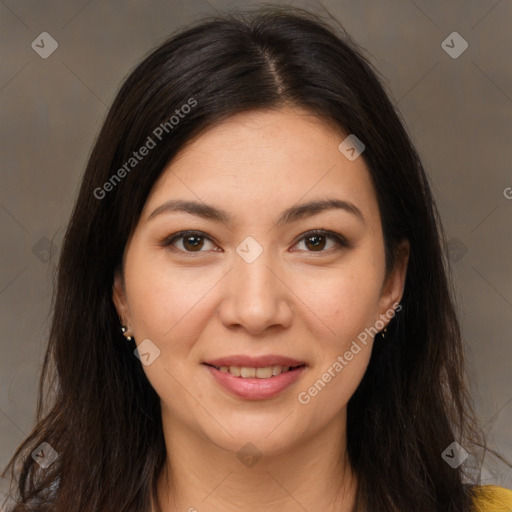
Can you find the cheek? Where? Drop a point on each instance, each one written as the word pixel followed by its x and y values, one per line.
pixel 342 303
pixel 165 305
pixel 347 303
pixel 341 358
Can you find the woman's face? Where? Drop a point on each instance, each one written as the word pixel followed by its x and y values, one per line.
pixel 252 290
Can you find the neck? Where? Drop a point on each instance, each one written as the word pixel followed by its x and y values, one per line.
pixel 200 476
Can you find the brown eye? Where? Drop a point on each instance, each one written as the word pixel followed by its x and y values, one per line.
pixel 316 241
pixel 188 242
pixel 193 242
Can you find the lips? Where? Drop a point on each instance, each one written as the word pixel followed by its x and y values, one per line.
pixel 255 378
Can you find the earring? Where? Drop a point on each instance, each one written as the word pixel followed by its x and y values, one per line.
pixel 126 334
pixel 384 332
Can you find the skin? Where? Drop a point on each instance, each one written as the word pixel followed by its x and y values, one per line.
pixel 296 299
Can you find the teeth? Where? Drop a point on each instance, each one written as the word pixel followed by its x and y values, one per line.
pixel 234 370
pixel 260 373
pixel 247 372
pixel 264 373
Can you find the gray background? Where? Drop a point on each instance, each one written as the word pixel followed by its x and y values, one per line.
pixel 458 111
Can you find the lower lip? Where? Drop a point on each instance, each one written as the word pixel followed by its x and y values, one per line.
pixel 254 388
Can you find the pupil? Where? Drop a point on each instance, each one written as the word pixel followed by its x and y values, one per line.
pixel 317 244
pixel 195 244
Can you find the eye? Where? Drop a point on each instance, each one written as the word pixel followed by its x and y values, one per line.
pixel 316 241
pixel 194 241
pixel 190 241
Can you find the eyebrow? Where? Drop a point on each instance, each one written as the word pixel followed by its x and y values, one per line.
pixel 292 214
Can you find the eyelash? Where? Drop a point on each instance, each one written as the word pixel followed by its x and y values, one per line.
pixel 340 240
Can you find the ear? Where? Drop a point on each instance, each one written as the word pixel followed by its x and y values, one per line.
pixel 119 298
pixel 394 284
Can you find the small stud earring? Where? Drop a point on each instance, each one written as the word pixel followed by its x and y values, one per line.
pixel 126 334
pixel 384 332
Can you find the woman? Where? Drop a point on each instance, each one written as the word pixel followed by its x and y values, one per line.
pixel 252 309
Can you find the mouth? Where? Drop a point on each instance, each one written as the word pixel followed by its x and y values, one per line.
pixel 255 378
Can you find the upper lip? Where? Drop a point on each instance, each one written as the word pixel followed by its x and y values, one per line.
pixel 255 362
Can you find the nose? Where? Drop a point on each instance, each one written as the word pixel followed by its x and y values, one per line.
pixel 255 297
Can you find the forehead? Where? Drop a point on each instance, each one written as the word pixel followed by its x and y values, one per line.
pixel 266 159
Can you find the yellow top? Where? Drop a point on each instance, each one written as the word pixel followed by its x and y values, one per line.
pixel 490 498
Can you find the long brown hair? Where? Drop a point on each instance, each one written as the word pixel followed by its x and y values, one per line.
pixel 97 409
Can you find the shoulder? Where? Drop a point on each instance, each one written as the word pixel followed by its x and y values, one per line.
pixel 490 498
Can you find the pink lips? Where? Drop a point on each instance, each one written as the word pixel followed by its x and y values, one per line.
pixel 255 388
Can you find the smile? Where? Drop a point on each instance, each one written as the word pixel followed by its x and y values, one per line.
pixel 259 382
